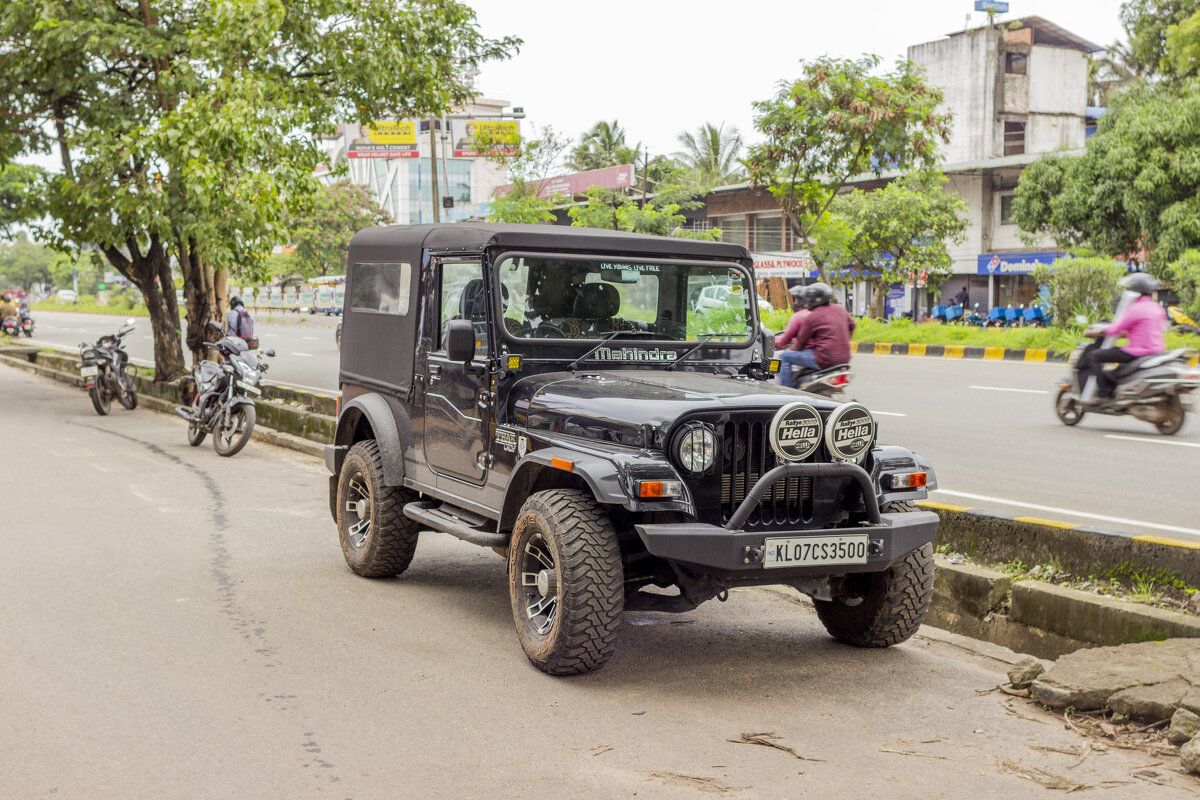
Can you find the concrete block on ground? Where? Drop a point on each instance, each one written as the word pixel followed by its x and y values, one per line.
pixel 1096 619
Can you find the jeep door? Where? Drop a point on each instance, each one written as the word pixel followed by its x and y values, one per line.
pixel 456 393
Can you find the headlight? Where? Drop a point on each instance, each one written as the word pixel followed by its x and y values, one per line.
pixel 849 432
pixel 696 449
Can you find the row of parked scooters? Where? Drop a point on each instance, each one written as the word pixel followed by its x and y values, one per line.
pixel 1009 316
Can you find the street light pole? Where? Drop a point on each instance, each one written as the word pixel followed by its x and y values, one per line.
pixel 433 176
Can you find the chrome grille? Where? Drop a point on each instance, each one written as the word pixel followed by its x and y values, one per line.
pixel 746 456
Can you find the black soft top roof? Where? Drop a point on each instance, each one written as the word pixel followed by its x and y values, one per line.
pixel 480 236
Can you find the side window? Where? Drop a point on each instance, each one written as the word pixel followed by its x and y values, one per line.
pixel 461 296
pixel 380 288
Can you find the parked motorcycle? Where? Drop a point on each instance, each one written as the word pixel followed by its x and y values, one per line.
pixel 25 322
pixel 1155 389
pixel 221 395
pixel 106 371
pixel 976 317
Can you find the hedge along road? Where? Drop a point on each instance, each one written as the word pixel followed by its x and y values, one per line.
pixel 306 353
pixel 988 426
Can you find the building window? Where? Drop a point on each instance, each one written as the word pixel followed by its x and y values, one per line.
pixel 1014 138
pixel 1015 63
pixel 1006 203
pixel 733 229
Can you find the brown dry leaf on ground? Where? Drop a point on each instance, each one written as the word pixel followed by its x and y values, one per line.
pixel 912 753
pixel 1050 780
pixel 1146 739
pixel 770 739
pixel 700 784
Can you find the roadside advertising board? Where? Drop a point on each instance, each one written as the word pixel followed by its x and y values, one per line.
pixel 502 138
pixel 783 265
pixel 579 182
pixel 385 140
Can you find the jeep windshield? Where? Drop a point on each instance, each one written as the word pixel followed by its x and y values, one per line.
pixel 590 298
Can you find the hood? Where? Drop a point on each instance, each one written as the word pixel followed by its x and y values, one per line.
pixel 625 406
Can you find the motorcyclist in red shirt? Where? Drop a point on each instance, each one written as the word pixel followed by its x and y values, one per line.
pixel 823 340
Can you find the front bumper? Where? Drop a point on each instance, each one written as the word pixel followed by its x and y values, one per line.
pixel 729 549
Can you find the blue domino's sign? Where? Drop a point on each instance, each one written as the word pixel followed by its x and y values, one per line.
pixel 1014 263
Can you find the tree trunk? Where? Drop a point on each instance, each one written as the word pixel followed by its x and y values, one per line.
pixel 145 271
pixel 197 293
pixel 220 294
pixel 878 298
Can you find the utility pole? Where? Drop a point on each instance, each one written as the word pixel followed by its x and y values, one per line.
pixel 433 172
pixel 645 174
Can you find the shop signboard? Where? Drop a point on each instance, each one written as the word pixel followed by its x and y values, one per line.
pixel 385 140
pixel 1014 263
pixel 579 182
pixel 475 138
pixel 783 265
pixel 996 6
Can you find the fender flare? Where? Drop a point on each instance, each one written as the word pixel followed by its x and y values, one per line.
pixel 382 421
pixel 240 401
pixel 600 475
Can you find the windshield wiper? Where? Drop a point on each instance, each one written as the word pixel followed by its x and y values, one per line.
pixel 704 342
pixel 603 342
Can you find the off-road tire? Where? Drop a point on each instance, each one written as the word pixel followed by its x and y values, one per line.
pixel 590 597
pixel 391 538
pixel 101 399
pixel 894 603
pixel 1173 420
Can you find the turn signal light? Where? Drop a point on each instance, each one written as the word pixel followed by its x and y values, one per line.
pixel 909 480
pixel 659 489
pixel 562 463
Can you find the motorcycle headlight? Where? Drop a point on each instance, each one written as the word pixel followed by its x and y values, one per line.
pixel 696 448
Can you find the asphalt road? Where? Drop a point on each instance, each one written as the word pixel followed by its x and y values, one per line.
pixel 988 427
pixel 178 625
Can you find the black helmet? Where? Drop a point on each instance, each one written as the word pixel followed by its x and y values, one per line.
pixel 236 301
pixel 819 294
pixel 1139 282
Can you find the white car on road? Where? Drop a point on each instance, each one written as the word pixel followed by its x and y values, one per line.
pixel 726 296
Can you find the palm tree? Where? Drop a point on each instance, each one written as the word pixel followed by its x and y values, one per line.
pixel 1112 71
pixel 602 146
pixel 712 153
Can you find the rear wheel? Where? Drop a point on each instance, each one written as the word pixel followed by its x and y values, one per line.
pixel 1173 416
pixel 377 540
pixel 101 399
pixel 195 435
pixel 885 608
pixel 230 437
pixel 565 582
pixel 130 399
pixel 1068 407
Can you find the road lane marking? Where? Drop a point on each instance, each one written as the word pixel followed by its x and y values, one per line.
pixel 1070 513
pixel 1148 440
pixel 887 414
pixel 310 338
pixel 303 355
pixel 1008 389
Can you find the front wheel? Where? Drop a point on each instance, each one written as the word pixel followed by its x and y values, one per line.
pixel 1068 407
pixel 565 582
pixel 231 436
pixel 883 608
pixel 1173 416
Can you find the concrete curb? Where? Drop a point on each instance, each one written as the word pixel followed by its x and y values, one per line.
pixel 149 397
pixel 986 536
pixel 956 351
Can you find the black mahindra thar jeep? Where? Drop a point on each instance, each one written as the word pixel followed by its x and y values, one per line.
pixel 574 400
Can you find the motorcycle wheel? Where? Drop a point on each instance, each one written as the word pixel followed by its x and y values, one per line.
pixel 101 399
pixel 195 435
pixel 130 399
pixel 1068 408
pixel 229 440
pixel 1172 420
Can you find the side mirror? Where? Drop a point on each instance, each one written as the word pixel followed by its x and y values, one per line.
pixel 215 326
pixel 130 321
pixel 460 340
pixel 270 352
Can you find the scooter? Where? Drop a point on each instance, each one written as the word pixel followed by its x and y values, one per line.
pixel 828 382
pixel 1155 389
pixel 10 327
pixel 976 317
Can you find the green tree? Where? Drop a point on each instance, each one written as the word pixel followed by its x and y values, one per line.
pixel 1183 46
pixel 24 263
pixel 900 231
pixel 528 171
pixel 19 196
pixel 839 120
pixel 602 146
pixel 321 232
pixel 1184 273
pixel 190 125
pixel 1085 285
pixel 1146 24
pixel 660 215
pixel 1135 188
pixel 711 153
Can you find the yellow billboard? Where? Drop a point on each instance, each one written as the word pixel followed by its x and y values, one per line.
pixel 384 139
pixel 474 138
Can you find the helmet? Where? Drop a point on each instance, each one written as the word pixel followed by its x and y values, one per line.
pixel 799 296
pixel 819 294
pixel 1139 282
pixel 236 301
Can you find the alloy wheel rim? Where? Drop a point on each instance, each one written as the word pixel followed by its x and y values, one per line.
pixel 358 509
pixel 539 584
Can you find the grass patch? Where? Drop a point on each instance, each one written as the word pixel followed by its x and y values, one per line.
pixel 93 308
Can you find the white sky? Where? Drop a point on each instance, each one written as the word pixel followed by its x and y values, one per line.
pixel 663 67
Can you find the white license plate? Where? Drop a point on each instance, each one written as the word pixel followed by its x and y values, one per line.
pixel 815 551
pixel 89 372
pixel 251 389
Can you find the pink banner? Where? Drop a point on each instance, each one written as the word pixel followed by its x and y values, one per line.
pixel 579 182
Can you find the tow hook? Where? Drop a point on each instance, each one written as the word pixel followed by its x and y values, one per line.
pixel 875 547
pixel 753 554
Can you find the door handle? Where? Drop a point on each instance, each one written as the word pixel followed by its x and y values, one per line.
pixel 435 373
